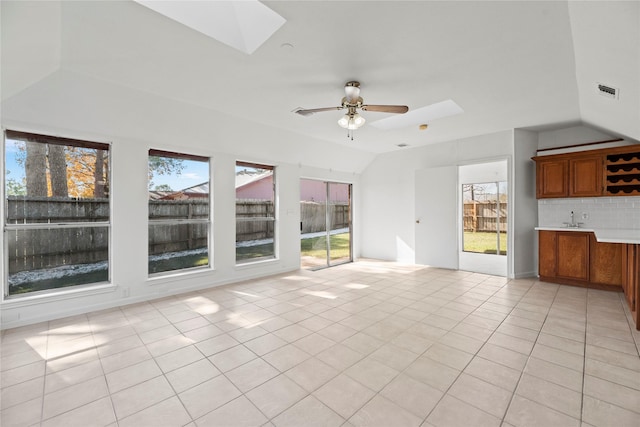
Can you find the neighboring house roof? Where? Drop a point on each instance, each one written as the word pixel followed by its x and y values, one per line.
pixel 243 179
pixel 202 190
pixel 193 192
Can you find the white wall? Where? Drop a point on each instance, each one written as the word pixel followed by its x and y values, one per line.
pixel 570 136
pixel 523 238
pixel 388 199
pixel 71 106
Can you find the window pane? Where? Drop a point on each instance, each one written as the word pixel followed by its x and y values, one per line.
pixel 55 181
pixel 259 240
pixel 30 210
pixel 339 220
pixel 255 212
pixel 174 179
pixel 485 218
pixel 178 211
pixel 41 259
pixel 178 246
pixel 48 183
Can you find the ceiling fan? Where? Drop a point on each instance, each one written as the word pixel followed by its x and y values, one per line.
pixel 352 102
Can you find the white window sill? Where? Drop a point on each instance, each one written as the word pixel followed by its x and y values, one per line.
pixel 171 276
pixel 256 263
pixel 57 295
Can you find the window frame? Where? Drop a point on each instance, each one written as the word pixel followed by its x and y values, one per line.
pixel 56 225
pixel 273 220
pixel 182 221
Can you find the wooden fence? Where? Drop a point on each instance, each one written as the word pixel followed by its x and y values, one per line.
pixel 31 249
pixel 482 216
pixel 313 216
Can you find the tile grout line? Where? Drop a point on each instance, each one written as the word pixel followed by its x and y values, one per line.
pixel 474 355
pixel 515 389
pixel 408 286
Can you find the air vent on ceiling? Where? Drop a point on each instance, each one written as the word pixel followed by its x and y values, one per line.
pixel 608 91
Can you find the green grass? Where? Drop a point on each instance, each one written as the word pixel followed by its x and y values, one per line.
pixel 246 253
pixel 62 282
pixel 484 243
pixel 178 263
pixel 317 246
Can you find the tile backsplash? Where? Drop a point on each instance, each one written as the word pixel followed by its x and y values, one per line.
pixel 602 212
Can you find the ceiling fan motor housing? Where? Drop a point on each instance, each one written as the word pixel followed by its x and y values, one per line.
pixel 352 90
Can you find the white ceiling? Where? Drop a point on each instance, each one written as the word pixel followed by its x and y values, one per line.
pixel 507 64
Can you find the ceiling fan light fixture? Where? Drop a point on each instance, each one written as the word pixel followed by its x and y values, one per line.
pixel 351 121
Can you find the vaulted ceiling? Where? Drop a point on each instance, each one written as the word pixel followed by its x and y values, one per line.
pixel 516 64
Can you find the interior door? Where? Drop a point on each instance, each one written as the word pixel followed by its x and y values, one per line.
pixel 436 237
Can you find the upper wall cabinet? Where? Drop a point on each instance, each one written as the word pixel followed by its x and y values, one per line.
pixel 552 178
pixel 605 172
pixel 585 176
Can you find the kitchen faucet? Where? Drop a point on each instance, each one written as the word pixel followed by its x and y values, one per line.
pixel 573 223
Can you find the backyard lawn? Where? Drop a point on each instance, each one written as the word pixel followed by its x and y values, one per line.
pixel 317 246
pixel 177 263
pixel 244 253
pixel 484 243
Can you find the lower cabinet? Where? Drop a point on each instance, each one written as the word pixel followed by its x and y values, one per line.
pixel 631 281
pixel 576 258
pixel 572 257
pixel 606 262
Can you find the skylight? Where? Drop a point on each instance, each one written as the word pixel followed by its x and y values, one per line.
pixel 244 25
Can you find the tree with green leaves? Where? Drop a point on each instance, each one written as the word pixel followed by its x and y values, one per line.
pixel 160 165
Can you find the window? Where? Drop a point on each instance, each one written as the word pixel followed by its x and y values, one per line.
pixel 255 212
pixel 485 217
pixel 57 226
pixel 178 211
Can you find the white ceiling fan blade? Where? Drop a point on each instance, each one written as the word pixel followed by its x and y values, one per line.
pixel 420 115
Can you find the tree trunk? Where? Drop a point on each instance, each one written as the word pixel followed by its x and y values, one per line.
pixel 98 175
pixel 36 169
pixel 58 169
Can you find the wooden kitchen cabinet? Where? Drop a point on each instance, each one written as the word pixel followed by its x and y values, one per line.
pixel 577 258
pixel 572 255
pixel 606 262
pixel 622 174
pixel 631 280
pixel 592 173
pixel 547 253
pixel 585 176
pixel 569 176
pixel 552 178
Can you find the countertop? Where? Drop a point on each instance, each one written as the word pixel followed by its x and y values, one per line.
pixel 606 235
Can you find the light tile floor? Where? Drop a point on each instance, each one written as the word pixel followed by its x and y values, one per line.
pixel 370 343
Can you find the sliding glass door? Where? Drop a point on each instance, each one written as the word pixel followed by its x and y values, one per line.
pixel 325 223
